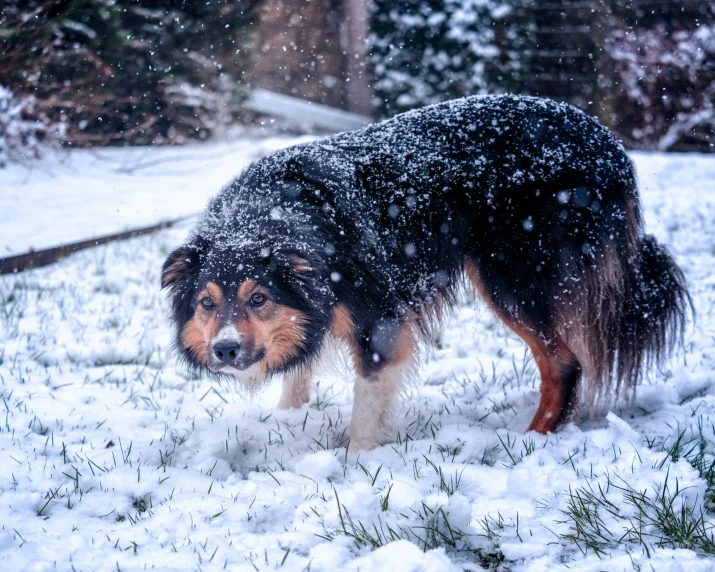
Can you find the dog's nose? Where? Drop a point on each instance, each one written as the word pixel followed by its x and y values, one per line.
pixel 226 351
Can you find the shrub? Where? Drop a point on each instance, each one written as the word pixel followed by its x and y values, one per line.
pixel 120 71
pixel 657 82
pixel 21 137
pixel 667 86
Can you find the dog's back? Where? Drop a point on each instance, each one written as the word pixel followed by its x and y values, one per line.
pixel 500 178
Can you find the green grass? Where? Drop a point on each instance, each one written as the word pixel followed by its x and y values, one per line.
pixel 429 528
pixel 603 518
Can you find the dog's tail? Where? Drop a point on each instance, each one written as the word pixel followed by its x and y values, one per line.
pixel 631 315
pixel 654 312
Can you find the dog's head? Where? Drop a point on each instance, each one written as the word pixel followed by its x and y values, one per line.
pixel 244 313
pixel 253 288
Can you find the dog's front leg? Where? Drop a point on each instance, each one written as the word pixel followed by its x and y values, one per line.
pixel 383 361
pixel 296 388
pixel 373 402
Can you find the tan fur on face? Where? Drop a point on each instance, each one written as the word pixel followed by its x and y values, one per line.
pixel 204 325
pixel 246 289
pixel 276 329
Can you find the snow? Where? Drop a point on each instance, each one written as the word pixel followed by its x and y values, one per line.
pixel 111 458
pixel 318 466
pixel 402 556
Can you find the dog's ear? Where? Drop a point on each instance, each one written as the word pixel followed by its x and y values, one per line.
pixel 182 264
pixel 306 275
pixel 300 265
pixel 302 269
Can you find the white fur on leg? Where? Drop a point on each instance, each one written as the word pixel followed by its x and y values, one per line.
pixel 372 407
pixel 296 388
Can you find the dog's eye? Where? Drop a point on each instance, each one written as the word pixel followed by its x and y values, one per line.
pixel 258 299
pixel 208 303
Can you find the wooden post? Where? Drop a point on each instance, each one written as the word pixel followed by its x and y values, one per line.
pixel 603 23
pixel 357 88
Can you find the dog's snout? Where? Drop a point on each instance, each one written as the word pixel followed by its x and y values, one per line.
pixel 227 350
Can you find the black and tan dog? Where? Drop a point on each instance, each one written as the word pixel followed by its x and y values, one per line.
pixel 365 236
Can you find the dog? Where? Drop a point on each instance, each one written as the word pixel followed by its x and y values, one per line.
pixel 366 236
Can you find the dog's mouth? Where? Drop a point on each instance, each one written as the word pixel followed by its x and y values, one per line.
pixel 236 367
pixel 250 376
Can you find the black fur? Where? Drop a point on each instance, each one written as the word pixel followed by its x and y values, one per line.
pixel 537 194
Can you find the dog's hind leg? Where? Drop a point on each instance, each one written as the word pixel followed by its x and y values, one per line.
pixel 559 369
pixel 560 383
pixel 296 388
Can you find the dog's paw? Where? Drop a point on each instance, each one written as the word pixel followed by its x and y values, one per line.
pixel 291 402
pixel 361 445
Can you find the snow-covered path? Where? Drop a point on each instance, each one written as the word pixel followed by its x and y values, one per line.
pixel 111 459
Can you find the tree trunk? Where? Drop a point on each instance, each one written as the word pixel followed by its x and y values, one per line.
pixel 299 51
pixel 357 75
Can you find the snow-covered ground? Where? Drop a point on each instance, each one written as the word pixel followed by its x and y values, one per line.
pixel 113 459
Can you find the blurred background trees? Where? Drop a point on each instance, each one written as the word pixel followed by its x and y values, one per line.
pixel 112 72
pixel 121 71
